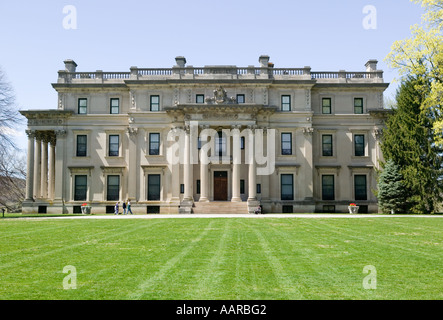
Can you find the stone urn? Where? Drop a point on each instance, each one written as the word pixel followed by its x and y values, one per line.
pixel 86 210
pixel 353 209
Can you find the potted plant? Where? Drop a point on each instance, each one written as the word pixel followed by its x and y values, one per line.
pixel 353 208
pixel 86 209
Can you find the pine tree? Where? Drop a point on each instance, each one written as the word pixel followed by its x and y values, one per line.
pixel 409 141
pixel 391 189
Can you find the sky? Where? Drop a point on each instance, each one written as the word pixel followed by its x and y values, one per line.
pixel 327 35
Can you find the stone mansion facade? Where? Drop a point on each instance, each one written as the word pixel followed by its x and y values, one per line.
pixel 218 138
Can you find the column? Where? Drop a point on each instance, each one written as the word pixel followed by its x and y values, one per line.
pixel 236 161
pixel 252 168
pixel 37 166
pixel 187 168
pixel 132 164
pixel 30 166
pixel 44 168
pixel 51 174
pixel 60 167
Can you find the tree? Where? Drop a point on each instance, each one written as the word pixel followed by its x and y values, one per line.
pixel 422 56
pixel 408 141
pixel 391 189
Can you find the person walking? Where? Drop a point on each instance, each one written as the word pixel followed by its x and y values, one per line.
pixel 129 207
pixel 116 208
pixel 124 207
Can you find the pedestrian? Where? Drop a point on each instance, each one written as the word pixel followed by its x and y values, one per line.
pixel 129 207
pixel 116 208
pixel 124 207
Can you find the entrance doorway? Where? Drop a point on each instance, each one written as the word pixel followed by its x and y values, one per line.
pixel 220 185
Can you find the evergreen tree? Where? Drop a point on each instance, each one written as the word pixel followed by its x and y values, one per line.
pixel 391 189
pixel 409 141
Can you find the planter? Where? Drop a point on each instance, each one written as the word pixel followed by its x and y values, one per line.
pixel 353 209
pixel 86 210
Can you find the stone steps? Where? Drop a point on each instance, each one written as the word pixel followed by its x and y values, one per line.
pixel 219 207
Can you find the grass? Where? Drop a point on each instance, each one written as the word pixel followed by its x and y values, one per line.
pixel 222 258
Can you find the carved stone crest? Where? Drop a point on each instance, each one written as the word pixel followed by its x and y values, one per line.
pixel 220 96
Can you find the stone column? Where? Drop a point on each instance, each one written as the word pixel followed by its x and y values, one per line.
pixel 51 174
pixel 59 167
pixel 204 166
pixel 252 177
pixel 30 166
pixel 132 164
pixel 187 168
pixel 37 166
pixel 236 161
pixel 44 168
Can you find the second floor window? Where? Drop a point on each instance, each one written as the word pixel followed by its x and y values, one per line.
pixel 155 103
pixel 358 105
pixel 326 144
pixel 326 106
pixel 286 143
pixel 359 145
pixel 154 144
pixel 82 106
pixel 115 106
pixel 81 145
pixel 114 142
pixel 285 103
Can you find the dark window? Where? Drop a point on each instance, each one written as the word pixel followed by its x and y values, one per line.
pixel 359 145
pixel 326 145
pixel 285 103
pixel 82 106
pixel 154 144
pixel 153 209
pixel 113 188
pixel 328 187
pixel 242 143
pixel 242 186
pixel 114 142
pixel 81 145
pixel 287 187
pixel 182 188
pixel 358 105
pixel 115 106
pixel 240 98
pixel 153 187
pixel 258 190
pixel 200 98
pixel 326 105
pixel 287 209
pixel 329 209
pixel 286 143
pixel 360 187
pixel 198 186
pixel 220 144
pixel 80 188
pixel 155 103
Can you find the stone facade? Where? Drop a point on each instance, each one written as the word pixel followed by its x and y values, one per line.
pixel 169 139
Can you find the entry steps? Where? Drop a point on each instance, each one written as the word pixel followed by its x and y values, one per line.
pixel 220 207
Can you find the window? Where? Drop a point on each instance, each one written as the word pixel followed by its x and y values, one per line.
pixel 359 145
pixel 326 106
pixel 182 188
pixel 114 141
pixel 153 187
pixel 81 145
pixel 154 144
pixel 240 98
pixel 287 189
pixel 258 190
pixel 327 183
pixel 242 143
pixel 82 106
pixel 198 187
pixel 242 186
pixel 220 144
pixel 200 98
pixel 115 105
pixel 358 105
pixel 326 145
pixel 287 209
pixel 329 208
pixel 113 188
pixel 286 143
pixel 155 103
pixel 285 103
pixel 80 188
pixel 360 187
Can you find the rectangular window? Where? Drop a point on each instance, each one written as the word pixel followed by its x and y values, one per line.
pixel 326 105
pixel 153 187
pixel 358 105
pixel 80 188
pixel 360 187
pixel 329 208
pixel 220 144
pixel 155 103
pixel 113 188
pixel 182 188
pixel 286 143
pixel 327 183
pixel 359 145
pixel 82 106
pixel 114 143
pixel 242 186
pixel 154 144
pixel 285 103
pixel 81 145
pixel 287 187
pixel 326 145
pixel 115 106
pixel 198 187
pixel 242 143
pixel 240 98
pixel 200 98
pixel 258 190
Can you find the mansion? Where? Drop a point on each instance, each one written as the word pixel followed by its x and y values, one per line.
pixel 218 138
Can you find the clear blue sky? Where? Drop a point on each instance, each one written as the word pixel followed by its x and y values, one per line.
pixel 327 35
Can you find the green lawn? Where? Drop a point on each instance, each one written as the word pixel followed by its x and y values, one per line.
pixel 222 258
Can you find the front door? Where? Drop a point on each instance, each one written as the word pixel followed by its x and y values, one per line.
pixel 220 185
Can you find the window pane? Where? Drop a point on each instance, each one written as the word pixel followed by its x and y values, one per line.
pixel 327 145
pixel 360 187
pixel 155 103
pixel 286 143
pixel 200 98
pixel 113 145
pixel 287 191
pixel 286 103
pixel 115 104
pixel 359 144
pixel 80 188
pixel 81 146
pixel 154 187
pixel 358 105
pixel 328 187
pixel 113 188
pixel 240 98
pixel 154 143
pixel 82 105
pixel 326 105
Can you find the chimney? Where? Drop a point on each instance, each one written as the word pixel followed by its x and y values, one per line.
pixel 264 60
pixel 70 65
pixel 181 61
pixel 371 65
